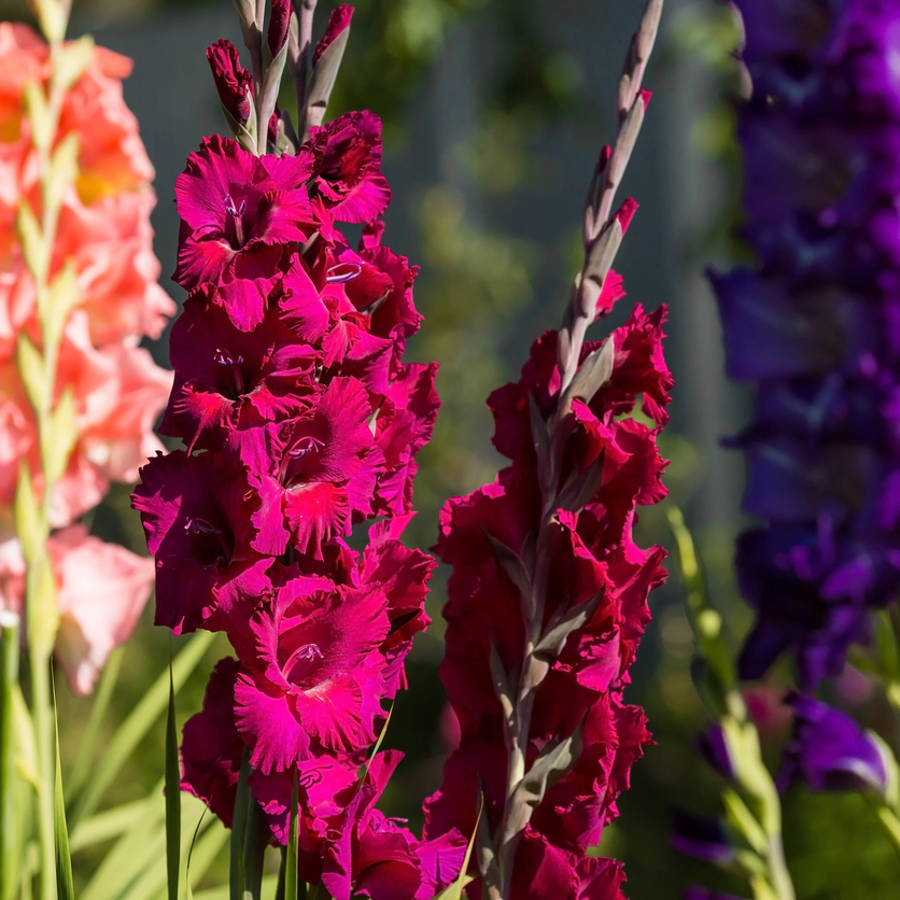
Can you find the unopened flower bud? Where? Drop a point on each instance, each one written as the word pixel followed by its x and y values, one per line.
pixel 233 81
pixel 279 23
pixel 338 23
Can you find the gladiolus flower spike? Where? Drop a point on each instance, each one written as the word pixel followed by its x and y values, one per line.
pixel 814 325
pixel 300 421
pixel 548 595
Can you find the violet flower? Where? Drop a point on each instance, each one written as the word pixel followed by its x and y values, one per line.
pixel 829 751
pixel 815 325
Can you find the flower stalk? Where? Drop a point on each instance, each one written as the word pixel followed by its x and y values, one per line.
pixel 54 415
pixel 539 607
pixel 602 235
pixel 750 796
pixel 300 420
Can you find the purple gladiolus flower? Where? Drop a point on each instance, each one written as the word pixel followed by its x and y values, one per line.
pixel 715 751
pixel 701 837
pixel 830 752
pixel 816 326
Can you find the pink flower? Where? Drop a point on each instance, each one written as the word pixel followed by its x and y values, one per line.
pixel 230 379
pixel 196 512
pixel 118 393
pixel 321 467
pixel 498 539
pixel 347 169
pixel 338 22
pixel 211 754
pixel 374 856
pixel 317 673
pixel 104 221
pixel 238 211
pixel 101 591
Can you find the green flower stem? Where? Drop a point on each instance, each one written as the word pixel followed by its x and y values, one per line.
pixel 9 783
pixel 44 112
pixel 891 823
pixel 753 807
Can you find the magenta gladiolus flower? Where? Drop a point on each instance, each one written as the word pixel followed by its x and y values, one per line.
pixel 300 419
pixel 314 679
pixel 240 216
pixel 347 168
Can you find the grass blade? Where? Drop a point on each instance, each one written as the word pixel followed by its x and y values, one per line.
pixel 11 828
pixel 136 850
pixel 86 750
pixel 139 722
pixel 65 884
pixel 255 844
pixel 455 891
pixel 238 826
pixel 173 795
pixel 378 743
pixel 106 825
pixel 293 848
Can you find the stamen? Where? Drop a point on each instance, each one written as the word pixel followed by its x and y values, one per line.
pixel 236 214
pixel 199 526
pixel 305 445
pixel 342 273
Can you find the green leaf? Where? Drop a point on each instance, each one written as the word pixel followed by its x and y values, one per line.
pixel 30 364
pixel 592 374
pixel 26 752
pixel 601 256
pixel 455 890
pixel 293 849
pixel 62 433
pixel 248 844
pixel 202 856
pixel 62 297
pixel 255 833
pixel 554 762
pixel 106 825
pixel 40 117
pixel 28 516
pixel 139 848
pixel 72 59
pixel 173 795
pixel 190 854
pixel 324 76
pixel 87 745
pixel 52 17
pixel 561 627
pixel 62 171
pixel 378 743
pixel 238 827
pixel 141 719
pixel 65 885
pixel 42 611
pixel 743 821
pixel 11 826
pixel 31 238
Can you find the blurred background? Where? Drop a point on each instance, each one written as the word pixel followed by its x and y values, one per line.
pixel 495 111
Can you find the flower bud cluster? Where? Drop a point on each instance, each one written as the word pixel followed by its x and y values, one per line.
pixel 300 420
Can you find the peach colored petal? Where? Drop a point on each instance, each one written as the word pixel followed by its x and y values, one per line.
pixel 12 576
pixel 102 589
